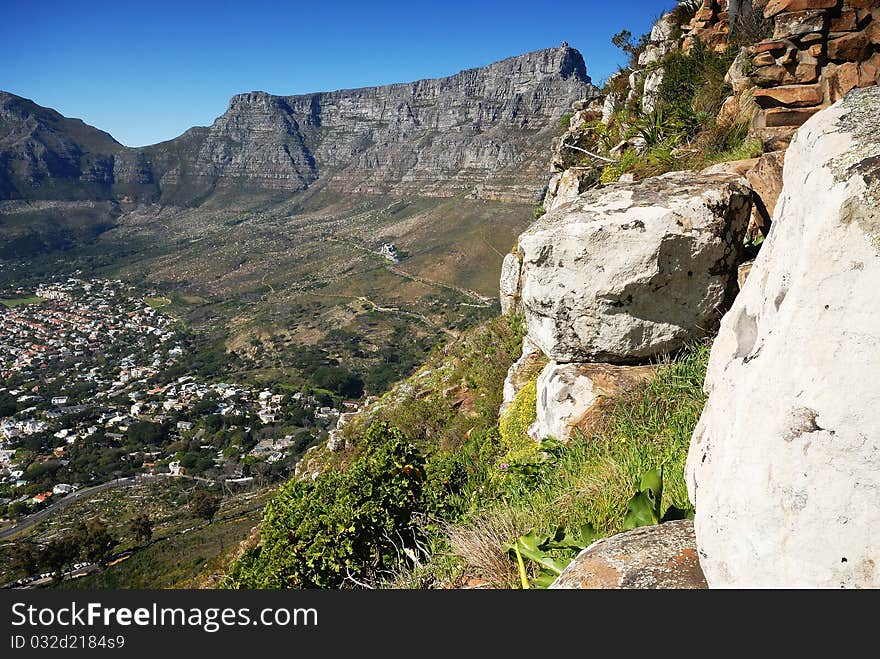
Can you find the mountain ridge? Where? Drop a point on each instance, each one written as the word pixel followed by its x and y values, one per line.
pixel 476 132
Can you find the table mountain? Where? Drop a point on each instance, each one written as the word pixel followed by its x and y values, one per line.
pixel 482 131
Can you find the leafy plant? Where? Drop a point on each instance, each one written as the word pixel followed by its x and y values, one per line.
pixel 645 507
pixel 349 526
pixel 550 554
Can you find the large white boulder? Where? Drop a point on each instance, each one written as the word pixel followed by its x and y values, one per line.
pixel 784 466
pixel 633 270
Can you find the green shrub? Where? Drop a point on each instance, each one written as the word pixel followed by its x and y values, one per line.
pixel 565 121
pixel 515 421
pixel 343 526
pixel 694 83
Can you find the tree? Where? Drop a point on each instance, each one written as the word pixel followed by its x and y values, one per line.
pixel 205 504
pixel 142 528
pixel 25 562
pixel 56 555
pixel 95 541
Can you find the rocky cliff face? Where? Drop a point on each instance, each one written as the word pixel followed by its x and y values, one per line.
pixel 783 466
pixel 482 131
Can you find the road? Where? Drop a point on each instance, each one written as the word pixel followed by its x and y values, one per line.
pixel 62 503
pixel 40 515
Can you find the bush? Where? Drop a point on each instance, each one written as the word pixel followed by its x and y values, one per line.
pixel 352 526
pixel 694 83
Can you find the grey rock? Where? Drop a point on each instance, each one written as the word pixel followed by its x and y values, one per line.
pixel 482 131
pixel 784 465
pixel 510 284
pixel 650 557
pixel 630 271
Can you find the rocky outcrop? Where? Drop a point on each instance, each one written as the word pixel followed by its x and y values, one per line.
pixel 573 395
pixel 510 284
pixel 482 132
pixel 650 557
pixel 783 466
pixel 631 271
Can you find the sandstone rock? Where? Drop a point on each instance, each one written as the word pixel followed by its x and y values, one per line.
pixel 800 22
pixel 873 31
pixel 790 95
pixel 851 47
pixel 776 6
pixel 763 59
pixel 742 273
pixel 729 112
pixel 774 117
pixel 738 167
pixel 736 76
pixel 776 139
pixel 816 49
pixel 649 557
pixel 630 271
pixel 571 396
pixel 566 187
pixel 839 79
pixel 772 45
pixel 786 492
pixel 527 367
pixel 776 74
pixel 510 284
pixel 847 21
pixel 766 181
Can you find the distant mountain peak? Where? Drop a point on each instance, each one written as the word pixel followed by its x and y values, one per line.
pixel 481 131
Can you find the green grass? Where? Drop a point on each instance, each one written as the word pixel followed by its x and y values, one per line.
pixel 157 302
pixel 21 301
pixel 592 478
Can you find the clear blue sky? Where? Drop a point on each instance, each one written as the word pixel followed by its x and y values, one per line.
pixel 147 71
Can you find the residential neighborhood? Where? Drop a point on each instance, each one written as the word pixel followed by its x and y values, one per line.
pixel 90 390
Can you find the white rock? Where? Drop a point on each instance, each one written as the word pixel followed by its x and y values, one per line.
pixel 663 29
pixel 651 93
pixel 613 102
pixel 567 187
pixel 784 465
pixel 629 271
pixel 510 284
pixel 567 394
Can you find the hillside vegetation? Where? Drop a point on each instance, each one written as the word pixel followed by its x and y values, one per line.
pixel 429 489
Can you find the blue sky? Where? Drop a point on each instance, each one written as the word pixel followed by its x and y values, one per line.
pixel 147 71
